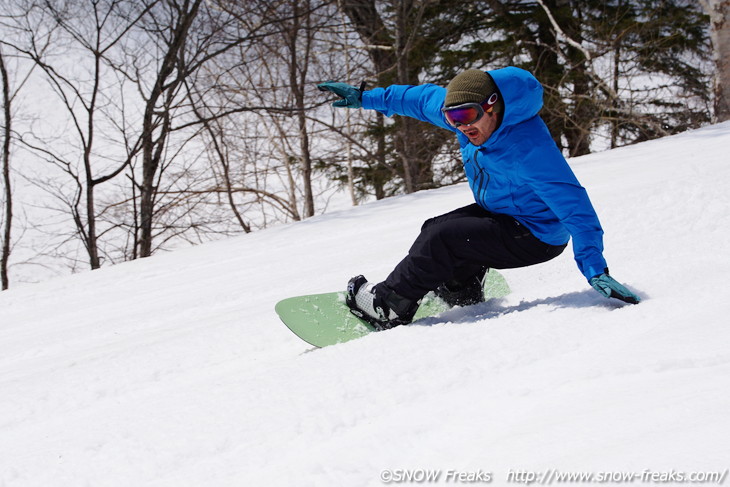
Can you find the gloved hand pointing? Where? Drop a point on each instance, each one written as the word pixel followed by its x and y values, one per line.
pixel 351 96
pixel 611 288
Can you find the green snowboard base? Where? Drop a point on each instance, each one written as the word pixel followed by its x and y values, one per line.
pixel 324 319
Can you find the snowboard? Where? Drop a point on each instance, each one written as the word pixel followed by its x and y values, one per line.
pixel 324 319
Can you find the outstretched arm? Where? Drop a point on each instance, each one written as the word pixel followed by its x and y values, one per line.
pixel 422 102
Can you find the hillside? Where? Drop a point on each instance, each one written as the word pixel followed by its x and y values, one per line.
pixel 174 370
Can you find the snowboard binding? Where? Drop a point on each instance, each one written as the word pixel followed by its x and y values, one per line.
pixel 378 305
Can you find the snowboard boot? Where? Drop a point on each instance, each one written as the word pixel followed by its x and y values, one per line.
pixel 378 305
pixel 464 293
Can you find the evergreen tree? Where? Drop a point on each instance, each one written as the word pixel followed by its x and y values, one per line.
pixel 634 69
pixel 404 40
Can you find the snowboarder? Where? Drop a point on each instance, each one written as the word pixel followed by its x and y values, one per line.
pixel 528 201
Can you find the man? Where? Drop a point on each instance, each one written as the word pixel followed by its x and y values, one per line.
pixel 528 201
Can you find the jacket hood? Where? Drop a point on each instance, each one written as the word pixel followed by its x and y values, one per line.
pixel 521 93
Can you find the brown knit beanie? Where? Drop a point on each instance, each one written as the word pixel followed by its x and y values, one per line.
pixel 470 86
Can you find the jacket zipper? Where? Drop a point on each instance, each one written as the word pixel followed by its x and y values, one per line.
pixel 479 180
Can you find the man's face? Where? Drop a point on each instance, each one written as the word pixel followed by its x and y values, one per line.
pixel 481 130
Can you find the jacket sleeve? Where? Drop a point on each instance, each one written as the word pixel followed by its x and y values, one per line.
pixel 422 102
pixel 547 172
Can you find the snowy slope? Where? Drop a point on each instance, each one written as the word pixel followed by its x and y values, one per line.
pixel 174 371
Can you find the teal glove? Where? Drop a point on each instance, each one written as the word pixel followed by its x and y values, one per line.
pixel 351 96
pixel 611 288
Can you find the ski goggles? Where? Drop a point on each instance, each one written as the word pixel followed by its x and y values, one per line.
pixel 469 113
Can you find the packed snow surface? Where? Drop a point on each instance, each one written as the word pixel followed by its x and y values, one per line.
pixel 175 370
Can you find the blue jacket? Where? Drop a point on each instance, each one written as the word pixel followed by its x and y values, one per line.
pixel 518 171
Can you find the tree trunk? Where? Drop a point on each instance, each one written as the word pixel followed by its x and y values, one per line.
pixel 298 65
pixel 156 121
pixel 719 11
pixel 550 71
pixel 8 220
pixel 580 120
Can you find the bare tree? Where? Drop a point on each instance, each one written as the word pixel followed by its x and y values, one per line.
pixel 169 26
pixel 15 74
pixel 8 195
pixel 182 38
pixel 227 103
pixel 270 84
pixel 220 153
pixel 291 46
pixel 299 35
pixel 92 31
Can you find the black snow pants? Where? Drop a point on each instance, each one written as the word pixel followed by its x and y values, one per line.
pixel 454 248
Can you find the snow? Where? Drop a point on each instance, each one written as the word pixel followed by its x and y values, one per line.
pixel 175 371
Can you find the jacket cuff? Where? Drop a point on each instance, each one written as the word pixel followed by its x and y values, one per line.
pixel 592 271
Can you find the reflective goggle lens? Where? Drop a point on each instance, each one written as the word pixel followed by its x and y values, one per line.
pixel 464 115
pixel 468 113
